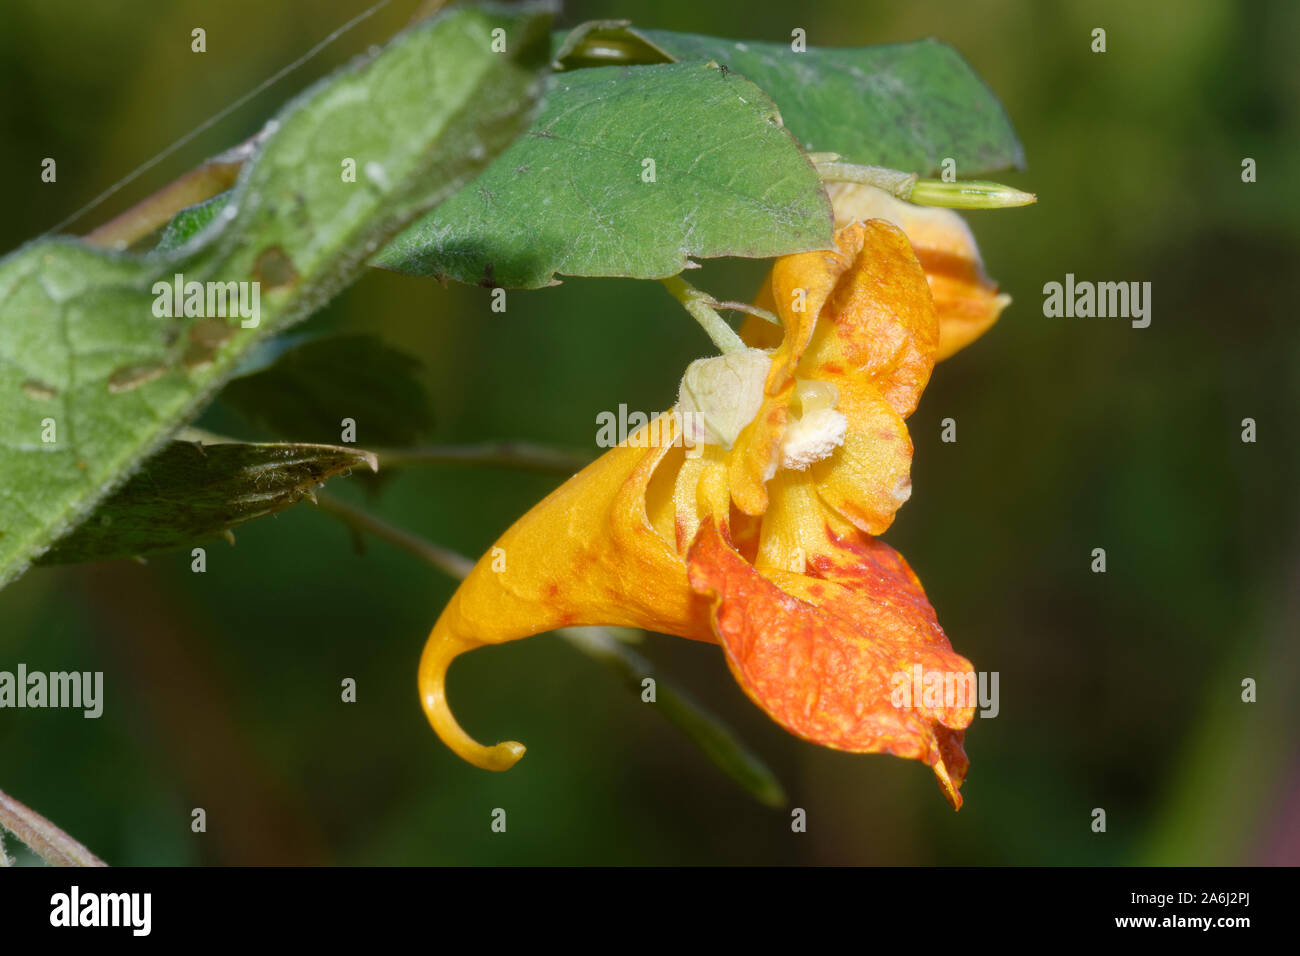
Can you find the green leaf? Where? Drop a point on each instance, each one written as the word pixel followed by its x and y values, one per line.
pixel 906 106
pixel 91 380
pixel 189 491
pixel 312 387
pixel 570 197
pixel 569 205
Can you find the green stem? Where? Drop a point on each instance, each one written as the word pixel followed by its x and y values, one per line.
pixel 444 559
pixel 43 838
pixel 504 453
pixel 892 181
pixel 708 733
pixel 748 309
pixel 153 212
pixel 701 307
pixel 509 454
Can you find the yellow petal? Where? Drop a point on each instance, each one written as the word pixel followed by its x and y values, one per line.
pixel 878 327
pixel 868 478
pixel 795 289
pixel 793 525
pixel 966 300
pixel 797 524
pixel 861 312
pixel 586 554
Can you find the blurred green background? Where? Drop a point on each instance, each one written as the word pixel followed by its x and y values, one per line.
pixel 1118 690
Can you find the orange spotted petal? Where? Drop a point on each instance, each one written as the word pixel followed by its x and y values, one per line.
pixel 879 326
pixel 822 657
pixel 966 300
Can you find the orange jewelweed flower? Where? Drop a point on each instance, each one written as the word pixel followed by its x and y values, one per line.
pixel 746 515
